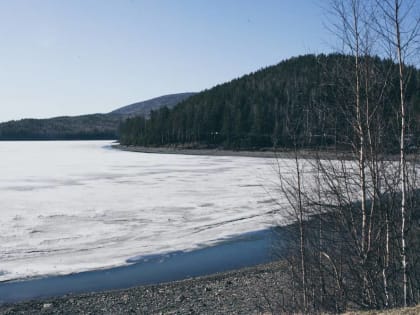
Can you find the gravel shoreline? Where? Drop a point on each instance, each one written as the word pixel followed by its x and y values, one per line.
pixel 252 290
pixel 185 151
pixel 325 154
pixel 281 154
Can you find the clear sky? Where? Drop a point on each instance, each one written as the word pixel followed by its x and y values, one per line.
pixel 84 56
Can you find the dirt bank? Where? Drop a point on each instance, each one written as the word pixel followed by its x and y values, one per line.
pixel 253 290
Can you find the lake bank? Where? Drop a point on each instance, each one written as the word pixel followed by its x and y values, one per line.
pixel 279 154
pixel 252 290
pixel 283 153
pixel 209 152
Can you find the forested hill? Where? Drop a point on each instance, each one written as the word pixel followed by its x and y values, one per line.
pixel 84 127
pixel 305 99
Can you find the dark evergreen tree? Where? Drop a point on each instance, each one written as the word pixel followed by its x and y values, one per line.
pixel 303 96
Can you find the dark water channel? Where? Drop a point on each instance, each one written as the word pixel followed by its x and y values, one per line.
pixel 241 251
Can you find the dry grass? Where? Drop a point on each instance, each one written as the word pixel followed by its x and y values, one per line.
pixel 400 311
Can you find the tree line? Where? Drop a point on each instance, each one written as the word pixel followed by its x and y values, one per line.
pixel 86 127
pixel 300 98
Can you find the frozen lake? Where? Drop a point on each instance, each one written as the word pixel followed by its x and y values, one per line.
pixel 71 206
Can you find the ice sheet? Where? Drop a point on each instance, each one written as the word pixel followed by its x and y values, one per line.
pixel 70 206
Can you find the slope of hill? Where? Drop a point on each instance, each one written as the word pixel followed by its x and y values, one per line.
pixel 301 99
pixel 84 127
pixel 144 108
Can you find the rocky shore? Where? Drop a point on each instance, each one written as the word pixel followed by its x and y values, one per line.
pixel 254 290
pixel 195 151
pixel 280 154
pixel 284 153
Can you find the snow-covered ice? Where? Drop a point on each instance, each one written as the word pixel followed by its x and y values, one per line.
pixel 70 206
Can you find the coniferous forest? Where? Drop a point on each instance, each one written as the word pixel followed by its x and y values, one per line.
pixel 301 100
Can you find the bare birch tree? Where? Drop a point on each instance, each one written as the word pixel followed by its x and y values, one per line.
pixel 355 242
pixel 400 36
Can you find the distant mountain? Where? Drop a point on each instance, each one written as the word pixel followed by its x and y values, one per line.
pixel 144 108
pixel 84 127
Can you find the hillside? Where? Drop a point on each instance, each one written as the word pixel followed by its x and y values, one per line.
pixel 144 108
pixel 301 99
pixel 84 127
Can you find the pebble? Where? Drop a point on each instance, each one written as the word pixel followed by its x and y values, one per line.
pixel 252 290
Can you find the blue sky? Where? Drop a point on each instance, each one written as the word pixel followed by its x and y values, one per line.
pixel 85 56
